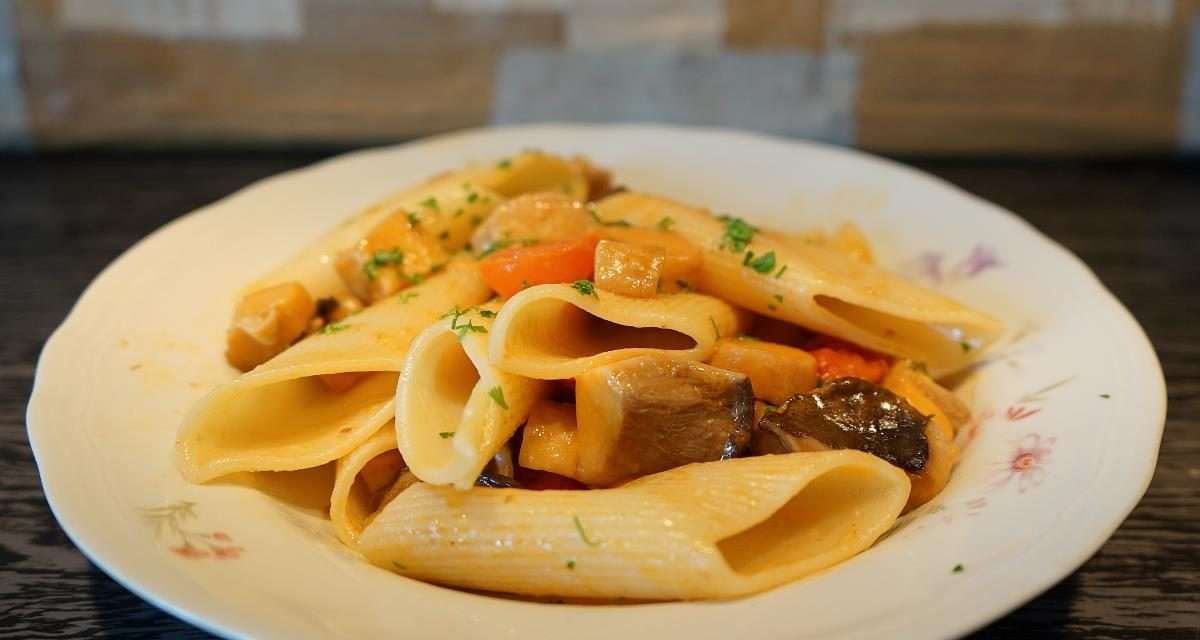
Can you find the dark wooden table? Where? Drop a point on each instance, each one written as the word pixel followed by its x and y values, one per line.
pixel 63 217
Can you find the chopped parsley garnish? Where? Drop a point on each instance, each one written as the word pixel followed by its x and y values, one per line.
pixel 430 203
pixel 772 307
pixel 716 329
pixel 585 287
pixel 472 197
pixel 416 278
pixel 413 218
pixel 462 329
pixel 476 220
pixel 778 298
pixel 769 408
pixel 966 346
pixel 919 366
pixel 497 396
pixel 958 568
pixel 405 297
pixel 781 270
pixel 470 327
pixel 446 435
pixel 583 534
pixel 762 264
pixel 487 313
pixel 571 564
pixel 1105 396
pixel 382 258
pixel 399 565
pixel 665 223
pixel 333 327
pixel 504 163
pixel 607 223
pixel 738 233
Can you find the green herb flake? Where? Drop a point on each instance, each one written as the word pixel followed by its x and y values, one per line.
pixel 470 327
pixel 769 408
pixel 762 264
pixel 476 220
pixel 413 218
pixel 738 233
pixel 919 366
pixel 585 287
pixel 1105 396
pixel 583 534
pixel 716 329
pixel 966 346
pixel 497 396
pixel 772 307
pixel 382 258
pixel 430 203
pixel 498 245
pixel 399 565
pixel 781 270
pixel 472 197
pixel 504 163
pixel 665 223
pixel 607 223
pixel 958 568
pixel 333 327
pixel 487 313
pixel 446 435
pixel 405 297
pixel 778 298
pixel 571 564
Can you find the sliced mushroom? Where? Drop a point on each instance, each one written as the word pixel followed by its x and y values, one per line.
pixel 266 322
pixel 535 217
pixel 849 413
pixel 653 413
pixel 628 269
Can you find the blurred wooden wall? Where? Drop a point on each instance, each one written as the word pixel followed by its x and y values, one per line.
pixel 956 77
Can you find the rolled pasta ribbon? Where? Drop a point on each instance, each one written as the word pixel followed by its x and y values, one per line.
pixel 532 171
pixel 555 331
pixel 354 499
pixel 454 409
pixel 819 288
pixel 449 207
pixel 709 530
pixel 281 417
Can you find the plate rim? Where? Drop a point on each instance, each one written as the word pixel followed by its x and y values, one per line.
pixel 1140 345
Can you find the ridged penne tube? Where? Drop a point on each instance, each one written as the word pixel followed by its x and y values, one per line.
pixel 819 288
pixel 555 331
pixel 449 205
pixel 352 500
pixel 710 530
pixel 281 417
pixel 454 409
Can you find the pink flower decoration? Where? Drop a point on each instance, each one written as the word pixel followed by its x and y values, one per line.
pixel 981 259
pixel 1027 463
pixel 222 536
pixel 188 551
pixel 226 553
pixel 1017 412
pixel 928 265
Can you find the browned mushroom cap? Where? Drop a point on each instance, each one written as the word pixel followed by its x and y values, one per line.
pixel 848 413
pixel 653 413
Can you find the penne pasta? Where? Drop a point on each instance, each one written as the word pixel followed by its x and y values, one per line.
pixel 454 409
pixel 817 287
pixel 457 206
pixel 281 417
pixel 354 499
pixel 710 530
pixel 554 331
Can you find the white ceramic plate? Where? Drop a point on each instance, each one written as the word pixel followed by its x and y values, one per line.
pixel 1068 412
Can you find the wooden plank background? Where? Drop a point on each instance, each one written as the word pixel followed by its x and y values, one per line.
pixel 957 77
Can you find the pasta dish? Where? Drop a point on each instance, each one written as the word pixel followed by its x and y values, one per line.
pixel 530 381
